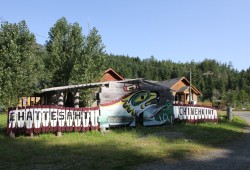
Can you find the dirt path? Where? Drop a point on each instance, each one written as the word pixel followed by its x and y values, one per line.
pixel 233 156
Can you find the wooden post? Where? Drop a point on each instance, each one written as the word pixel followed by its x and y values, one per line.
pixel 58 134
pixel 12 135
pixel 229 113
pixel 60 102
pixel 190 86
pixel 185 101
pixel 76 99
pixel 60 99
pixel 42 100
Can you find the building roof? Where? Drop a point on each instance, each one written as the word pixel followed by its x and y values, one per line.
pixel 172 82
pixel 183 89
pixel 113 73
pixel 78 86
pixel 92 85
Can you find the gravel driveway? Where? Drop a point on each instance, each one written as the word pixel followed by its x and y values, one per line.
pixel 232 156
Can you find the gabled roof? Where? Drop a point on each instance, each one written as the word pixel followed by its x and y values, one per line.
pixel 172 82
pixel 111 71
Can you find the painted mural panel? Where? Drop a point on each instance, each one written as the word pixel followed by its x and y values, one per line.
pixel 161 115
pixel 141 107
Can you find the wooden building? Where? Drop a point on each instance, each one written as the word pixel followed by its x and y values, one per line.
pixel 105 92
pixel 29 101
pixel 178 86
pixel 111 75
pixel 108 75
pixel 180 90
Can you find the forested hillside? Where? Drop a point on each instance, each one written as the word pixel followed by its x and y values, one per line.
pixel 218 82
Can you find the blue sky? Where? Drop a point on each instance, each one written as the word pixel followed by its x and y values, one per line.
pixel 179 30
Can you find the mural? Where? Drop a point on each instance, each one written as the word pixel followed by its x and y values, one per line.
pixel 141 107
pixel 139 101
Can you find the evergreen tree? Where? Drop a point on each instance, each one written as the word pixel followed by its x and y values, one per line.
pixel 216 81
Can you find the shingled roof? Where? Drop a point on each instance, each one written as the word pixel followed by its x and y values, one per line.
pixel 172 82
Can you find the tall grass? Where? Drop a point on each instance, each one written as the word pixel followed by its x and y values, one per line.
pixel 121 148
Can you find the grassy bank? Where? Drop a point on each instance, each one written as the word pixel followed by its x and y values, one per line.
pixel 119 149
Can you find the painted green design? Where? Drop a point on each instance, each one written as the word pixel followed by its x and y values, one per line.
pixel 165 115
pixel 138 101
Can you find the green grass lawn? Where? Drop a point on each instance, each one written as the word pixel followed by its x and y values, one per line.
pixel 121 148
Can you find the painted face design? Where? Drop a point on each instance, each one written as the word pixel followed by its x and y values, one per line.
pixel 138 101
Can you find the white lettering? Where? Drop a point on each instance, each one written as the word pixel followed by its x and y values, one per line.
pixel 194 113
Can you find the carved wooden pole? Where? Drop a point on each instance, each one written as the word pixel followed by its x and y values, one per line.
pixel 60 103
pixel 76 99
pixel 60 99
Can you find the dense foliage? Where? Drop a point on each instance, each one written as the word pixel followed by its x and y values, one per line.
pixel 20 68
pixel 69 57
pixel 218 82
pixel 72 57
